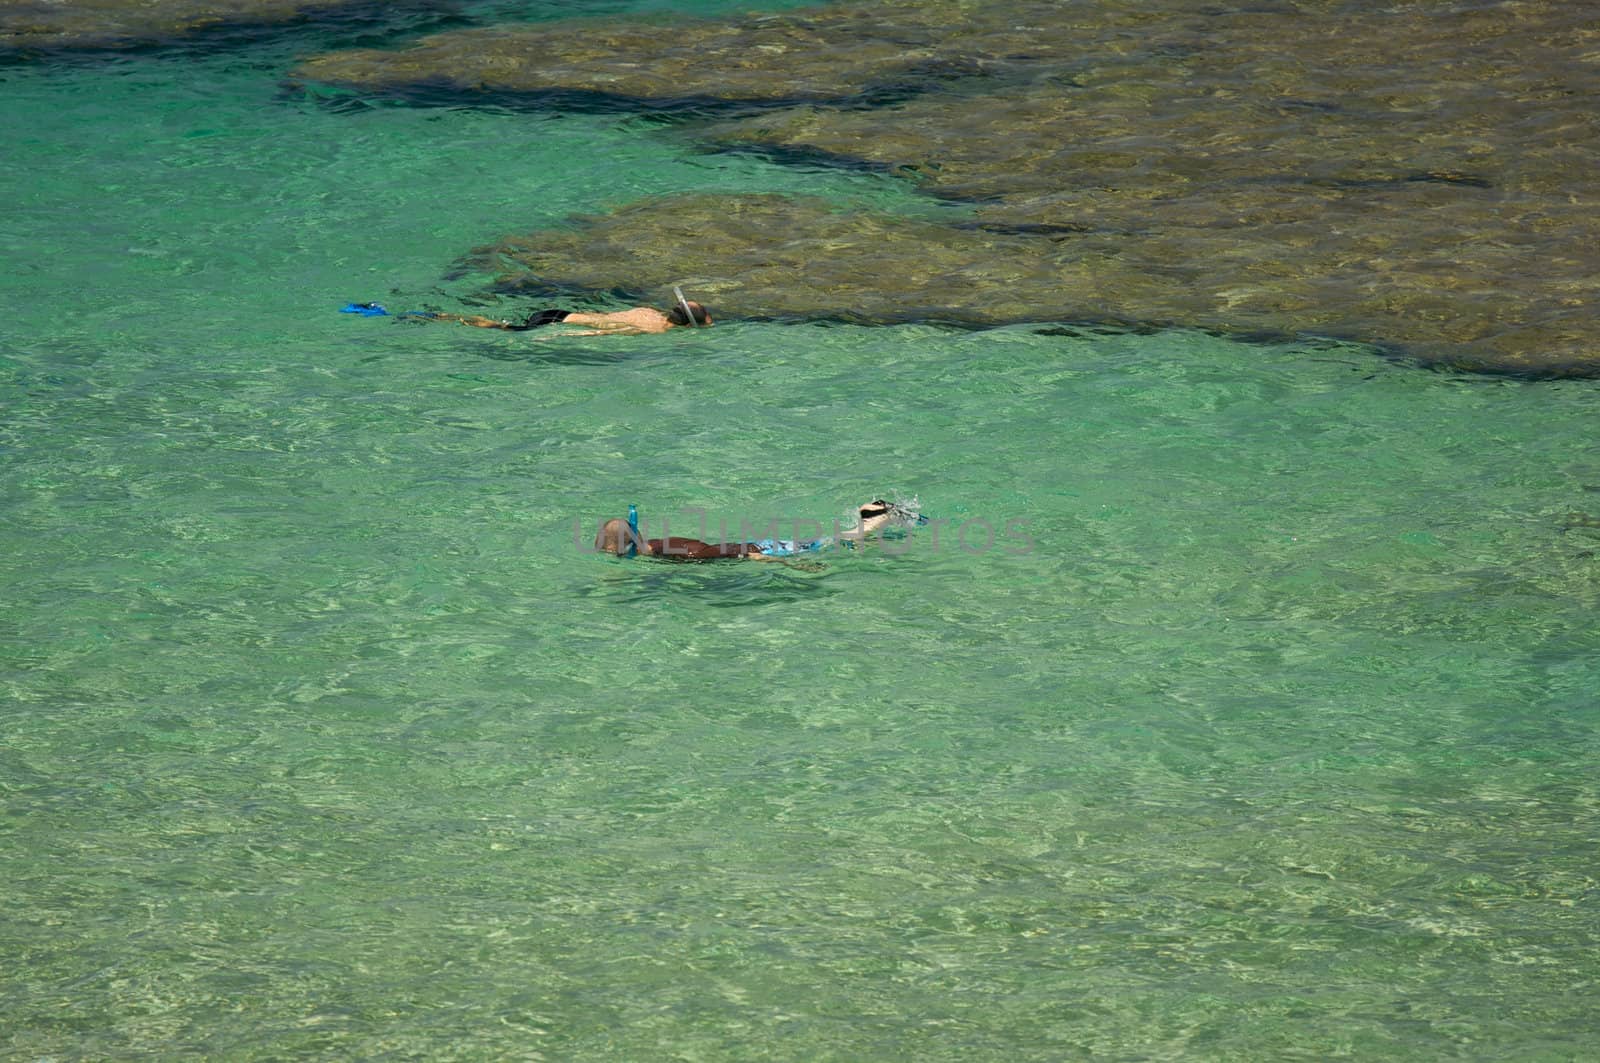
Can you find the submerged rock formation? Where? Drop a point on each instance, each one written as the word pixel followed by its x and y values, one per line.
pixel 29 26
pixel 778 257
pixel 826 55
pixel 1423 174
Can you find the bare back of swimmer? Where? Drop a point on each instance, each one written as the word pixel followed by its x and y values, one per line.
pixel 641 320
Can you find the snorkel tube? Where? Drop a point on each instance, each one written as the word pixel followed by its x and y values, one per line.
pixel 687 313
pixel 633 531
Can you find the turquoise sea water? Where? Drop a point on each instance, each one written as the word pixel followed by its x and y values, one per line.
pixel 1265 726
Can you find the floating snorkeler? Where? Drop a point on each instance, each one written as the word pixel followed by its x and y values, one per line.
pixel 641 320
pixel 623 538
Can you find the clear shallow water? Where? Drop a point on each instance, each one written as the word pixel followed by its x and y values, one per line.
pixel 325 736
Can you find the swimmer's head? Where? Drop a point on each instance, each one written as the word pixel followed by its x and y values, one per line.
pixel 612 538
pixel 875 516
pixel 680 315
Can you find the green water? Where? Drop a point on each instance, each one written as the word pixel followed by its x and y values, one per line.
pixel 1267 730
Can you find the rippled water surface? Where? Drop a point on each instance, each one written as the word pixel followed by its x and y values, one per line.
pixel 1238 703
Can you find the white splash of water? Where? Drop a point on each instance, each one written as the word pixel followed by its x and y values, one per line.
pixel 907 512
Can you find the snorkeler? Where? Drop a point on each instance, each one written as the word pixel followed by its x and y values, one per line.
pixel 640 320
pixel 622 537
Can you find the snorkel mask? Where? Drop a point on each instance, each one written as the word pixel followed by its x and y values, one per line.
pixel 896 514
pixel 687 313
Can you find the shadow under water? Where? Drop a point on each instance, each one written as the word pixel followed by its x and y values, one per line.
pixel 717 585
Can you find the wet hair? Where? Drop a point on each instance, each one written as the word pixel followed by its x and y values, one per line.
pixel 678 317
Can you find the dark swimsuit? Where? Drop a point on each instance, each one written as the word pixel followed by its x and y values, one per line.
pixel 676 549
pixel 540 317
